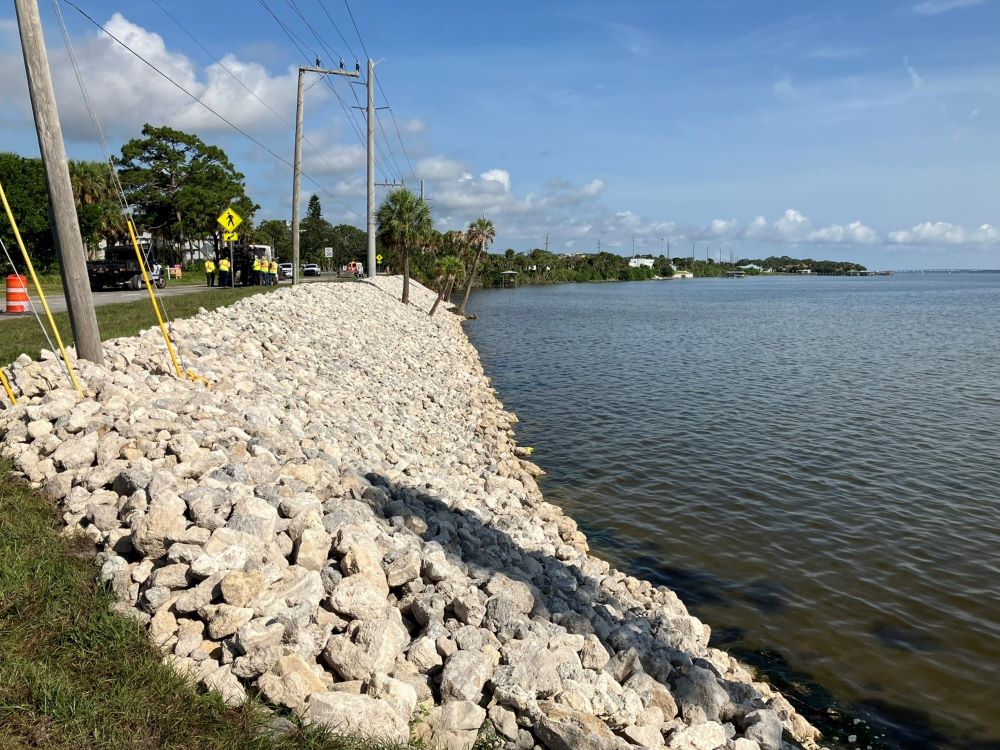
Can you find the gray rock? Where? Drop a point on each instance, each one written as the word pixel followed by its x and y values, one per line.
pixel 764 727
pixel 563 729
pixel 356 596
pixel 358 715
pixel 704 736
pixel 465 673
pixel 700 696
pixel 453 726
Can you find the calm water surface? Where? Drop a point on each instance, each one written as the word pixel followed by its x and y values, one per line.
pixel 813 464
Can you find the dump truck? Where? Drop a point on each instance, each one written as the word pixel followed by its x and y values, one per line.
pixel 121 269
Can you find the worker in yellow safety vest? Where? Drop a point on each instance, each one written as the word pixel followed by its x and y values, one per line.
pixel 274 271
pixel 256 271
pixel 210 271
pixel 225 279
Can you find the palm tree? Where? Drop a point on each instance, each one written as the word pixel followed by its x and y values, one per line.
pixel 481 234
pixel 404 220
pixel 448 269
pixel 98 208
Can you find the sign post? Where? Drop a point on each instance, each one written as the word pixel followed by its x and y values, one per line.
pixel 229 220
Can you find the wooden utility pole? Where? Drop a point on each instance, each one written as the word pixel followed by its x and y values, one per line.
pixel 297 167
pixel 66 225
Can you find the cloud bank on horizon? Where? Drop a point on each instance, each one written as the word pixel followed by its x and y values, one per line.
pixel 586 183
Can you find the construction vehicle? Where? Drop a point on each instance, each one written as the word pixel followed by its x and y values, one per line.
pixel 120 269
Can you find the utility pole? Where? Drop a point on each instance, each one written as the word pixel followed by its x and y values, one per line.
pixel 297 168
pixel 598 246
pixel 546 242
pixel 633 245
pixel 371 169
pixel 68 241
pixel 421 188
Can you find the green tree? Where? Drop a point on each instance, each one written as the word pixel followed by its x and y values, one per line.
pixel 315 233
pixel 178 184
pixel 448 269
pixel 481 234
pixel 404 220
pixel 278 235
pixel 98 204
pixel 23 182
pixel 349 244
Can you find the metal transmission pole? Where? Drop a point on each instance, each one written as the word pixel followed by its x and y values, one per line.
pixel 297 168
pixel 68 241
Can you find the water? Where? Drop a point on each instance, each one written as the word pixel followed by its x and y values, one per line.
pixel 813 464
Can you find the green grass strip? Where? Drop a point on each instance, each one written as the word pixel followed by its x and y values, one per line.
pixel 75 676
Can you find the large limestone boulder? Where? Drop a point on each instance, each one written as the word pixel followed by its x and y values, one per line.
pixel 358 715
pixel 561 728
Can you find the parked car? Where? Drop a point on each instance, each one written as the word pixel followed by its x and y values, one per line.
pixel 311 269
pixel 285 270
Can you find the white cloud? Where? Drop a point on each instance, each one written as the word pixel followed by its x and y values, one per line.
pixel 853 233
pixel 943 233
pixel 113 75
pixel 500 176
pixel 439 168
pixel 413 126
pixel 934 7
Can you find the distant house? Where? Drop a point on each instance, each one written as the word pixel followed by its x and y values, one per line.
pixel 640 262
pixel 683 275
pixel 804 270
pixel 750 267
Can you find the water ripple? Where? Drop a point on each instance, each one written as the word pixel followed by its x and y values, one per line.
pixel 810 463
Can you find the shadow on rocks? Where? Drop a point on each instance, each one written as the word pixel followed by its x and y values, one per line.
pixel 644 631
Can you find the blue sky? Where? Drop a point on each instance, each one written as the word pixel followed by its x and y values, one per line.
pixel 859 130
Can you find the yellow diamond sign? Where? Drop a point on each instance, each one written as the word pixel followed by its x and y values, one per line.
pixel 229 220
pixel 378 258
pixel 230 237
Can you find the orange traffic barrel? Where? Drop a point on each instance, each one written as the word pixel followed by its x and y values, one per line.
pixel 17 294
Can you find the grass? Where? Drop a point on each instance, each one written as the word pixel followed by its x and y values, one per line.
pixel 52 282
pixel 75 676
pixel 125 319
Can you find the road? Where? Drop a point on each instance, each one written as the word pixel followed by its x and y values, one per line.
pixel 57 303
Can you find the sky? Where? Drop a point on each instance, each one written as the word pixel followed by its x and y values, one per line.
pixel 859 130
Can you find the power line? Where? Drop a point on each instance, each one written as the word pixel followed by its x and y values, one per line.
pixel 298 43
pixel 378 82
pixel 249 90
pixel 228 122
pixel 330 51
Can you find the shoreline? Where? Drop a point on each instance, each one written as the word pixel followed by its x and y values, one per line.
pixel 482 576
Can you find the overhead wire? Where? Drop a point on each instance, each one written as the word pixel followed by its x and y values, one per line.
pixel 378 83
pixel 331 52
pixel 196 99
pixel 298 43
pixel 218 61
pixel 159 308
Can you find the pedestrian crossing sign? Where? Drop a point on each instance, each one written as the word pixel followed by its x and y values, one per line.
pixel 229 220
pixel 230 237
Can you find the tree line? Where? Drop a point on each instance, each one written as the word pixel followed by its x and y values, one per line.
pixel 539 266
pixel 176 185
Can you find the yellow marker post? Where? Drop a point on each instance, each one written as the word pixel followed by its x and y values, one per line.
pixel 38 289
pixel 152 299
pixel 6 387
